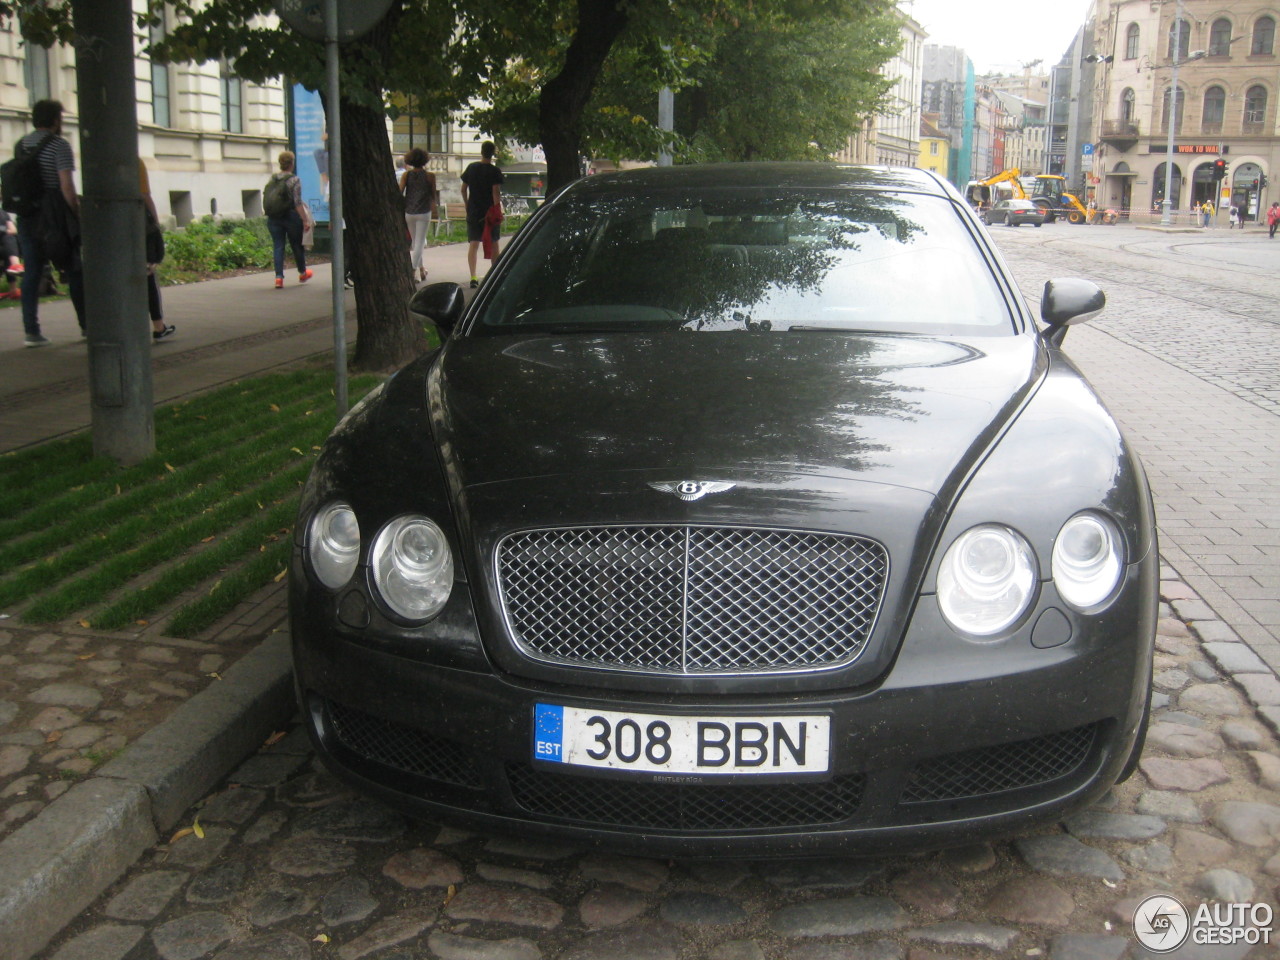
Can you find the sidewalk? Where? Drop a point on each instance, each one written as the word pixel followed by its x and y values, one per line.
pixel 188 711
pixel 227 329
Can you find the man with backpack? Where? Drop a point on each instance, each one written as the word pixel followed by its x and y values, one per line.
pixel 44 164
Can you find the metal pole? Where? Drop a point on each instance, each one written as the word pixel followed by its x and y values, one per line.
pixel 121 404
pixel 1167 218
pixel 666 122
pixel 335 207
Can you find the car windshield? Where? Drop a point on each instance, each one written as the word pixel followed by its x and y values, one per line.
pixel 739 260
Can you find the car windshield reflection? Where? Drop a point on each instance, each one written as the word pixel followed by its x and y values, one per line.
pixel 875 262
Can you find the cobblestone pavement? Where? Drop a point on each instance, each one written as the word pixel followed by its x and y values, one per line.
pixel 289 864
pixel 71 698
pixel 293 865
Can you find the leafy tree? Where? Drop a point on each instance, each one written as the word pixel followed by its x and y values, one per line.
pixel 416 48
pixel 759 79
pixel 792 87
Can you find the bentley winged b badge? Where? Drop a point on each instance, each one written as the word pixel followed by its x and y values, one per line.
pixel 693 489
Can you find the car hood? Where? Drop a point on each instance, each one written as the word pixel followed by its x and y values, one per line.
pixel 910 411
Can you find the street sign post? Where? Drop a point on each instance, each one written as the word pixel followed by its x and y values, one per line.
pixel 335 22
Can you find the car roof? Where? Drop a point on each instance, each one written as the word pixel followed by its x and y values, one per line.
pixel 819 176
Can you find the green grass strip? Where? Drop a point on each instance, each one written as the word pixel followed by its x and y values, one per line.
pixel 114 572
pixel 234 589
pixel 93 481
pixel 65 523
pixel 244 542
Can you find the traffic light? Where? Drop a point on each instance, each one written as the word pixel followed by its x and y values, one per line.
pixel 1265 181
pixel 1255 183
pixel 1219 169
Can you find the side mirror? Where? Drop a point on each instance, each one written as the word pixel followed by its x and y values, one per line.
pixel 1067 301
pixel 441 303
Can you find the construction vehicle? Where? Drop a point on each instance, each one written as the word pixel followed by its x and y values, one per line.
pixel 1003 186
pixel 1050 193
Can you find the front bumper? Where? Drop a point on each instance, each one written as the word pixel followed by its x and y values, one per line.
pixel 958 740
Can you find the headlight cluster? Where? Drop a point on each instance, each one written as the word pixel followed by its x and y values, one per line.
pixel 988 575
pixel 411 561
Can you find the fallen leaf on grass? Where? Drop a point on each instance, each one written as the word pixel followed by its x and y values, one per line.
pixel 450 894
pixel 143 623
pixel 184 832
pixel 274 738
pixel 86 656
pixel 216 585
pixel 274 408
pixel 117 489
pixel 83 623
pixel 53 737
pixel 320 938
pixel 214 676
pixel 196 828
pixel 208 539
pixel 170 468
pixel 279 576
pixel 297 451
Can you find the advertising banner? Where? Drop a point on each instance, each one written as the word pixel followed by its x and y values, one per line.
pixel 310 145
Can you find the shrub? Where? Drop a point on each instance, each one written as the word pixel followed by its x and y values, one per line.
pixel 207 245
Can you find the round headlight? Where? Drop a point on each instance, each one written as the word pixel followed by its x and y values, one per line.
pixel 1086 560
pixel 413 567
pixel 333 544
pixel 986 580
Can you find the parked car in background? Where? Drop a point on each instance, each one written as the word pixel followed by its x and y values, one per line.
pixel 745 511
pixel 1014 213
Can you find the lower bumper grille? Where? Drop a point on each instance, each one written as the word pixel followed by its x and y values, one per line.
pixel 683 806
pixel 400 747
pixel 991 770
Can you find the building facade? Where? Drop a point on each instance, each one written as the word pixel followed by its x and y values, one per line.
pixel 935 149
pixel 1225 105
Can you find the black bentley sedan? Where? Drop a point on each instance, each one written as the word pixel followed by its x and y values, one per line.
pixel 745 511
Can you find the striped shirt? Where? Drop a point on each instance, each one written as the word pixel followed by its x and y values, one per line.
pixel 56 156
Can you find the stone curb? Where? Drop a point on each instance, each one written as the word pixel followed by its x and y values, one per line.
pixel 58 864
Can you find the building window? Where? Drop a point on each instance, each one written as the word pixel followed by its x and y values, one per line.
pixel 35 72
pixel 1215 105
pixel 1179 106
pixel 1131 42
pixel 933 147
pixel 231 96
pixel 1264 37
pixel 1127 105
pixel 1179 39
pixel 1255 109
pixel 159 81
pixel 1220 38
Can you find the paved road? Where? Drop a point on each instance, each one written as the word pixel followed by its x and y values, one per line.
pixel 292 865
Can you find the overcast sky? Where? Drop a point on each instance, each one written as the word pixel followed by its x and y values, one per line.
pixel 999 36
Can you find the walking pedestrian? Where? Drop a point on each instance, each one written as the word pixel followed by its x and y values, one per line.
pixel 480 191
pixel 1234 218
pixel 57 174
pixel 1206 210
pixel 419 189
pixel 155 254
pixel 1273 219
pixel 9 250
pixel 287 217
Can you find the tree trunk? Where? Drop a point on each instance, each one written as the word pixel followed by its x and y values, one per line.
pixel 564 97
pixel 377 249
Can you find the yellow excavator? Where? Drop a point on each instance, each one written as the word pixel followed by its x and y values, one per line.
pixel 1003 186
pixel 1049 192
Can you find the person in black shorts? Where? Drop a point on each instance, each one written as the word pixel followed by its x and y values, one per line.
pixel 481 183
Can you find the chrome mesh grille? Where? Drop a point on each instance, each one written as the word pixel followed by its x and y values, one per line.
pixel 691 599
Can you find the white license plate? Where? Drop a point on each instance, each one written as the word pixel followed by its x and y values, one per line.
pixel 688 745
